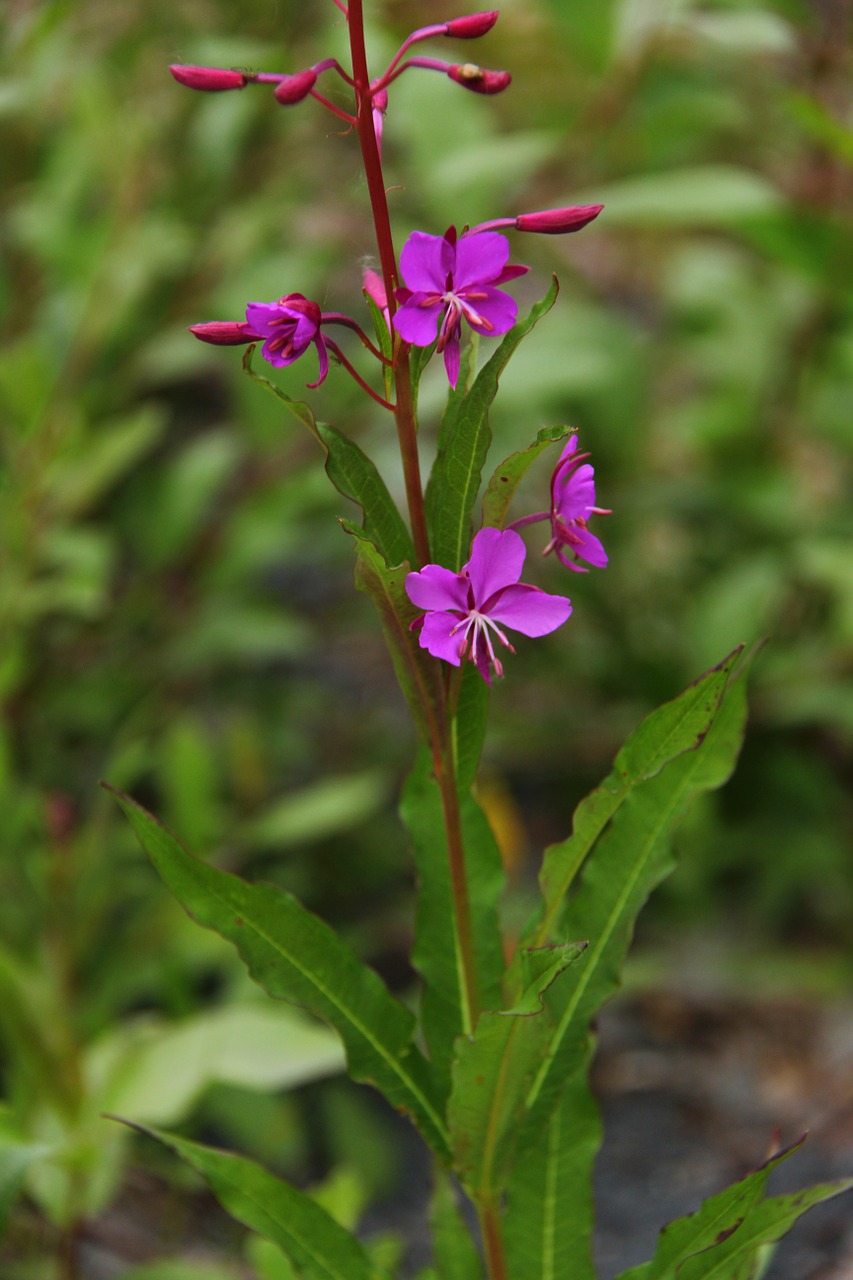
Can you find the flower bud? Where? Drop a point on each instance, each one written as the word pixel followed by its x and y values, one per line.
pixel 476 24
pixel 224 333
pixel 555 222
pixel 296 87
pixel 209 79
pixel 478 79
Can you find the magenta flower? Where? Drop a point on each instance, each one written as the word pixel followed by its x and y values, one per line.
pixel 448 279
pixel 289 326
pixel 464 611
pixel 572 503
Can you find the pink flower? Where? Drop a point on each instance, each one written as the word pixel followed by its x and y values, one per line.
pixel 289 327
pixel 448 279
pixel 572 503
pixel 465 611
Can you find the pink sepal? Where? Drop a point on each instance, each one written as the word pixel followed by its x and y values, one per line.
pixel 475 24
pixel 294 88
pixel 555 222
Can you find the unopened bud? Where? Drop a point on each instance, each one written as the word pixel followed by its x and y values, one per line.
pixel 476 24
pixel 209 79
pixel 556 222
pixel 224 333
pixel 478 79
pixel 294 88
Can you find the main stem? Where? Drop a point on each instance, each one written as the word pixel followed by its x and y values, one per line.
pixel 404 410
pixel 442 745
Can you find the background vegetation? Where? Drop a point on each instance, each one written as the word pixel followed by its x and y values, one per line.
pixel 176 611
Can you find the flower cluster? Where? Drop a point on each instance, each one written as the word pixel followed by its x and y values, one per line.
pixel 446 279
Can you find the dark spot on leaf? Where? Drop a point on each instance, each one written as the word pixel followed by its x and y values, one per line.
pixel 480 1079
pixel 238 920
pixel 728 1231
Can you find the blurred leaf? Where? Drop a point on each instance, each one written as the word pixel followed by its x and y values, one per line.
pixel 701 196
pixel 156 1073
pixel 268 1261
pixel 315 1244
pixel 15 1160
pixel 295 956
pixel 331 806
pixel 183 1269
pixel 75 484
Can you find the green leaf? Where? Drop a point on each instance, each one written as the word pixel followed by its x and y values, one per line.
pixel 317 1246
pixel 463 445
pixel 353 475
pixel 456 1255
pixel 15 1159
pixel 417 673
pixel 629 860
pixel 726 1236
pixel 677 727
pixel 493 1071
pixel 435 953
pixel 549 1214
pixel 296 956
pixel 469 726
pixel 501 488
pixel 764 1225
pixel 156 1073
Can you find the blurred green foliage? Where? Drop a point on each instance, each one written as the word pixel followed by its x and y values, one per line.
pixel 176 610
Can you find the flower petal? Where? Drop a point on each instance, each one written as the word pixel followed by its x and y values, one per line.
pixel 452 359
pixel 416 323
pixel 437 588
pixel 323 356
pixel 589 548
pixel 480 258
pixel 529 610
pixel 425 262
pixel 497 557
pixel 437 638
pixel 495 306
pixel 576 497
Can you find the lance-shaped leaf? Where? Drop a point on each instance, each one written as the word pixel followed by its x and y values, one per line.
pixel 631 858
pixel 463 445
pixel 353 475
pixel 549 1217
pixel 493 1071
pixel 722 1238
pixel 765 1224
pixel 317 1246
pixel 501 488
pixel 417 673
pixel 676 727
pixel 295 956
pixel 436 953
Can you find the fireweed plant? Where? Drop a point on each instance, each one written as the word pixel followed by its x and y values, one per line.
pixel 490 1059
